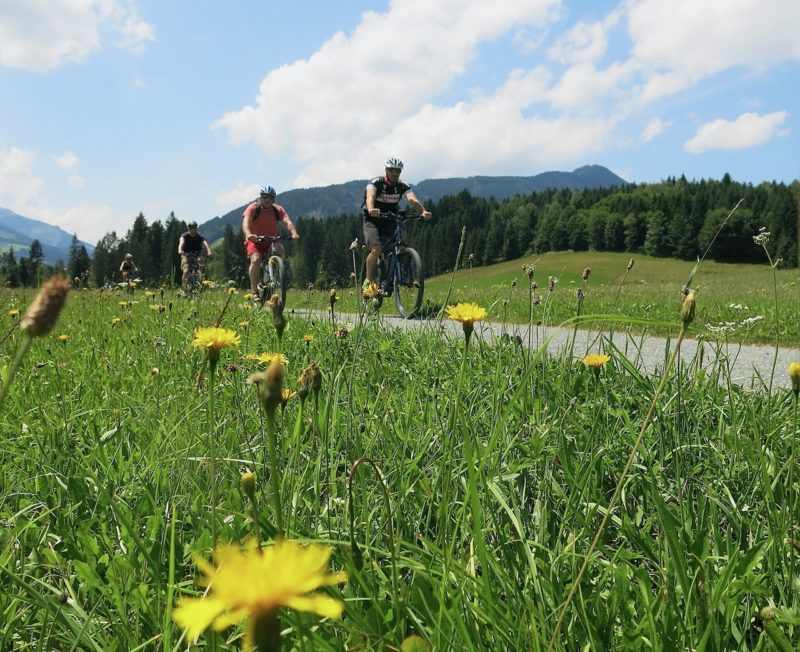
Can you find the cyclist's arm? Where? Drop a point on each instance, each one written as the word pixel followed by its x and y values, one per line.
pixel 208 249
pixel 181 243
pixel 247 218
pixel 369 201
pixel 417 205
pixel 290 225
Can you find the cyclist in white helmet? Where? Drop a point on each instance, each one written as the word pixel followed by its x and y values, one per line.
pixel 383 195
pixel 128 268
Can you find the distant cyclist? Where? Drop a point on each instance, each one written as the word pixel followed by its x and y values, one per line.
pixel 261 218
pixel 128 268
pixel 191 243
pixel 383 195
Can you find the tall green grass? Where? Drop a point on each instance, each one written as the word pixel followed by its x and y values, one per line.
pixel 490 469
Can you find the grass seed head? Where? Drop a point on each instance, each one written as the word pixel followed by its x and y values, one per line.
pixel 43 313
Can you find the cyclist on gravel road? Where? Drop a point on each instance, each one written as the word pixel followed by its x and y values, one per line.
pixel 191 243
pixel 261 218
pixel 383 195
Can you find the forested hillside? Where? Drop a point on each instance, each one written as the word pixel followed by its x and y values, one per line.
pixel 676 218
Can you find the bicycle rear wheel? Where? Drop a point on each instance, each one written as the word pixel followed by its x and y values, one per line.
pixel 409 283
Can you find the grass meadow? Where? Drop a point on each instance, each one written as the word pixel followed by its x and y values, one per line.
pixel 478 497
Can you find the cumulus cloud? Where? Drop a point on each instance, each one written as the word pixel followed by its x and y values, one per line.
pixel 654 128
pixel 585 42
pixel 748 130
pixel 357 85
pixel 90 221
pixel 69 162
pixel 42 35
pixel 19 185
pixel 239 195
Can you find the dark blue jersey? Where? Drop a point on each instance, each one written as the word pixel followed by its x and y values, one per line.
pixel 192 244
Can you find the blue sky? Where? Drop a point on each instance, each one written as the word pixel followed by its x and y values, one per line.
pixel 112 107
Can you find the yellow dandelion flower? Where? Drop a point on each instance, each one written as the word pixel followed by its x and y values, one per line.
pixel 232 291
pixel 213 339
pixel 207 283
pixel 251 584
pixel 115 321
pixel 13 312
pixel 308 339
pixel 245 324
pixel 63 338
pixel 794 375
pixel 267 358
pixel 247 306
pixel 286 394
pixel 154 306
pixel 467 314
pixel 370 291
pixel 596 360
pixel 247 296
pixel 149 294
pixel 124 304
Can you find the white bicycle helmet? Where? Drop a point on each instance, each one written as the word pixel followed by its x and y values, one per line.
pixel 394 163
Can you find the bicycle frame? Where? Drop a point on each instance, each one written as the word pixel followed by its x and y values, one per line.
pixel 401 267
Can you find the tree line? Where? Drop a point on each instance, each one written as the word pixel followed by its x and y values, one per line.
pixel 675 218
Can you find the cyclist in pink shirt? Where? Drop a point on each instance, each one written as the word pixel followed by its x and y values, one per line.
pixel 261 218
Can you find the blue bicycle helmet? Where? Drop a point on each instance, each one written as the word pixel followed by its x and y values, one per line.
pixel 268 190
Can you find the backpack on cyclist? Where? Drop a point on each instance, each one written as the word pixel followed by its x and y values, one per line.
pixel 258 212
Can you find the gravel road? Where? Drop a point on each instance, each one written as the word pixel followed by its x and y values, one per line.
pixel 750 365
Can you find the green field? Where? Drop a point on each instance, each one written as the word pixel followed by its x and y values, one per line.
pixel 494 475
pixel 737 302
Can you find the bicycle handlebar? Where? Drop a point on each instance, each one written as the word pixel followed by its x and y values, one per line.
pixel 271 238
pixel 400 216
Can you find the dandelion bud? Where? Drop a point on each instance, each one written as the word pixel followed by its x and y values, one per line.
pixel 270 386
pixel 514 283
pixel 248 482
pixel 630 265
pixel 315 376
pixel 304 384
pixel 42 314
pixel 333 296
pixel 586 273
pixel 688 307
pixel 794 375
pixel 354 245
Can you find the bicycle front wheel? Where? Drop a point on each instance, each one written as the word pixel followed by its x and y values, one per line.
pixel 409 283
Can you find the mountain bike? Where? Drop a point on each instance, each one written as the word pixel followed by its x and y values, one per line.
pixel 272 279
pixel 195 280
pixel 400 269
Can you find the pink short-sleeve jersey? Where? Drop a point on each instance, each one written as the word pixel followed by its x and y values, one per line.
pixel 266 222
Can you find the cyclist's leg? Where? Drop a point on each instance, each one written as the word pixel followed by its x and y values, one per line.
pixel 255 270
pixel 372 238
pixel 185 270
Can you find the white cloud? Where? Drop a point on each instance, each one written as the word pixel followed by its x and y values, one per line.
pixel 90 221
pixel 67 161
pixel 42 35
pixel 238 195
pixel 654 128
pixel 19 186
pixel 748 130
pixel 321 108
pixel 701 37
pixel 585 42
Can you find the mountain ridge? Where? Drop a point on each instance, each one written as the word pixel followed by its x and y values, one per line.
pixel 17 232
pixel 342 198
